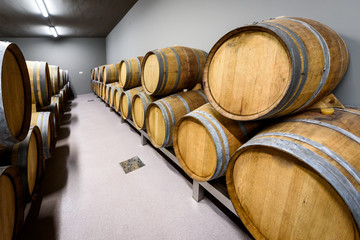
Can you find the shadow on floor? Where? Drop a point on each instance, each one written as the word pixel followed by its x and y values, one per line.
pixel 73 119
pixel 56 171
pixel 39 228
pixel 66 117
pixel 40 222
pixel 64 132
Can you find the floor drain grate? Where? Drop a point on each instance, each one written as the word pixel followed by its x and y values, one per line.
pixel 132 164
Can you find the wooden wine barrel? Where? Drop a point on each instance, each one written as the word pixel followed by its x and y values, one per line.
pixel 300 178
pixel 93 86
pixel 44 120
pixel 111 73
pixel 100 76
pixel 92 72
pixel 126 100
pixel 112 94
pixel 15 95
pixel 170 70
pixel 130 73
pixel 139 105
pixel 54 109
pixel 64 98
pixel 103 93
pixel 162 115
pixel 40 82
pixel 11 203
pixel 198 86
pixel 62 77
pixel 274 68
pixel 67 76
pixel 59 102
pixel 204 141
pixel 97 87
pixel 27 157
pixel 107 93
pixel 66 91
pixel 108 89
pixel 96 73
pixel 100 89
pixel 54 79
pixel 117 94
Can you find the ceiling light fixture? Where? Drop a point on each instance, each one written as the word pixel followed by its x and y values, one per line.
pixel 42 7
pixel 53 31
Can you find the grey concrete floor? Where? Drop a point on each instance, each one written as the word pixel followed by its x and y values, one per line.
pixel 87 195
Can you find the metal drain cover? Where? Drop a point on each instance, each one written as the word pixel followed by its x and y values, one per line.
pixel 132 164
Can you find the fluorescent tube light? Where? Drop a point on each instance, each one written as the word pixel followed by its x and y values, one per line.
pixel 53 31
pixel 42 7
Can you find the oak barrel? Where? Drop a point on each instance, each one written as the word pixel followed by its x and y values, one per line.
pixel 162 115
pixel 117 94
pixel 54 79
pixel 62 78
pixel 66 91
pixel 44 120
pixel 299 179
pixel 103 91
pixel 93 86
pixel 112 94
pixel 108 91
pixel 96 88
pixel 54 109
pixel 15 95
pixel 27 157
pixel 126 100
pixel 273 68
pixel 130 73
pixel 11 203
pixel 96 73
pixel 139 105
pixel 92 73
pixel 172 69
pixel 40 82
pixel 59 102
pixel 111 73
pixel 99 89
pixel 204 141
pixel 100 76
pixel 67 76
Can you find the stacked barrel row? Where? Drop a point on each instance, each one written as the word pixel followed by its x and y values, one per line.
pixel 49 90
pixel 288 176
pixel 26 132
pixel 155 90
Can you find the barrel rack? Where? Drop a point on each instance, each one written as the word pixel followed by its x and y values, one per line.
pixel 216 188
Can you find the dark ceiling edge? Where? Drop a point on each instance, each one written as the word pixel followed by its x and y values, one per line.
pixel 121 18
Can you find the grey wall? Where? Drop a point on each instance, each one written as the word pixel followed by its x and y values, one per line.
pixel 153 24
pixel 74 54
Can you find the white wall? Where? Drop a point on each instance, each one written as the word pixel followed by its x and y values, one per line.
pixel 74 54
pixel 152 24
